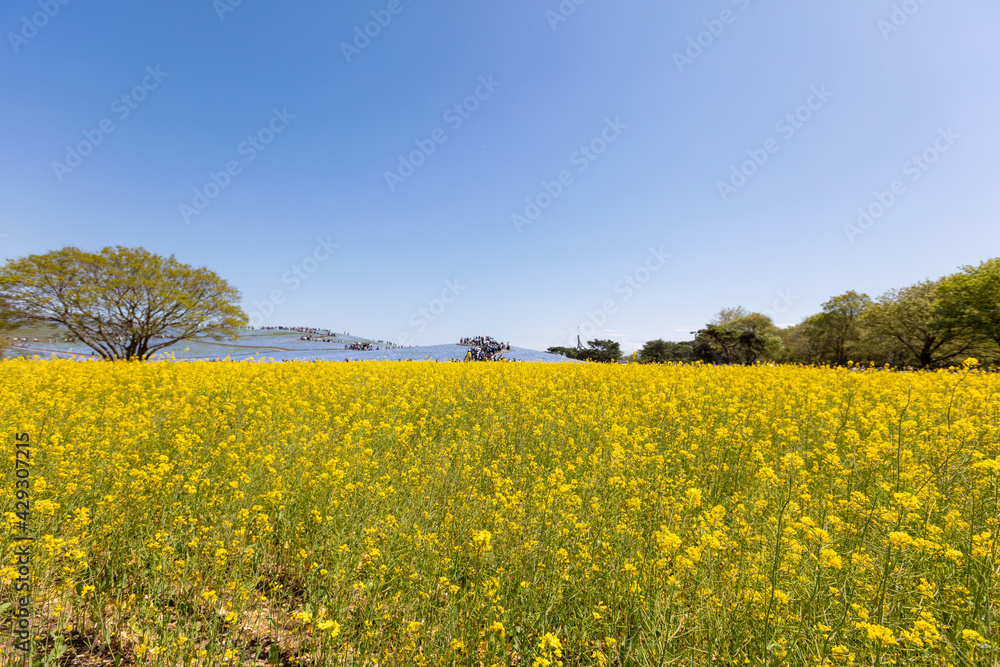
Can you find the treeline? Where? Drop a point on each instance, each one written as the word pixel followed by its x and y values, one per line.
pixel 602 351
pixel 932 324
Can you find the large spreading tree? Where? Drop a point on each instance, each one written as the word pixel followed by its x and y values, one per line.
pixel 735 336
pixel 124 303
pixel 835 331
pixel 603 351
pixel 971 298
pixel 907 324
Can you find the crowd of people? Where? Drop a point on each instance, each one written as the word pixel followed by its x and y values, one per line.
pixel 29 343
pixel 304 330
pixel 316 335
pixel 325 337
pixel 484 348
pixel 309 333
pixel 362 347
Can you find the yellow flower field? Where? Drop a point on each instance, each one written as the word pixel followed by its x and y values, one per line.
pixel 503 514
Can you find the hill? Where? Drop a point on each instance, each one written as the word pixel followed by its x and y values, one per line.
pixel 264 345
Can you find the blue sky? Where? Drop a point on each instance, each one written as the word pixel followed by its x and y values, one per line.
pixel 524 170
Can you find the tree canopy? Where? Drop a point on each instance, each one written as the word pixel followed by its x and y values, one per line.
pixel 604 351
pixel 660 351
pixel 971 299
pixel 931 324
pixel 735 336
pixel 124 303
pixel 835 330
pixel 906 318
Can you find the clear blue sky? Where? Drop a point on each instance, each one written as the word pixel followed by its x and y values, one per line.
pixel 184 86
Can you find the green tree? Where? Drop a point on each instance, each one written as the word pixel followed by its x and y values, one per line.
pixel 660 351
pixel 835 331
pixel 797 347
pixel 735 336
pixel 971 298
pixel 717 344
pixel 604 351
pixel 124 303
pixel 904 326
